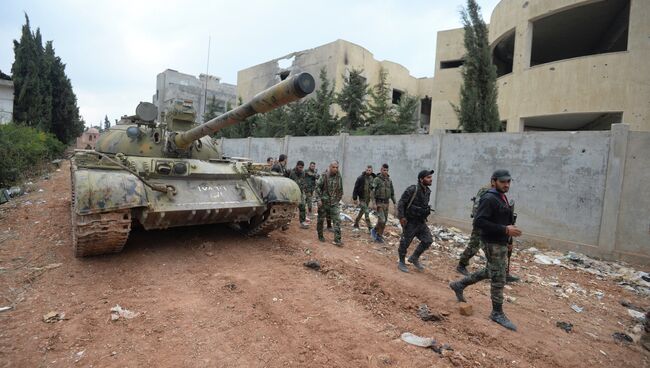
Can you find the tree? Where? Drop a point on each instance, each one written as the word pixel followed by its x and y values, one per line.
pixel 32 102
pixel 107 123
pixel 406 116
pixel 322 122
pixel 478 111
pixel 212 109
pixel 351 99
pixel 381 113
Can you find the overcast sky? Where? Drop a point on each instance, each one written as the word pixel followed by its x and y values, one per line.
pixel 113 50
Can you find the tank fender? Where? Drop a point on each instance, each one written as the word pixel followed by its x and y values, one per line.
pixel 277 189
pixel 98 191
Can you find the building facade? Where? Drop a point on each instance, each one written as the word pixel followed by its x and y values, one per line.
pixel 172 85
pixel 561 65
pixel 338 58
pixel 88 139
pixel 6 101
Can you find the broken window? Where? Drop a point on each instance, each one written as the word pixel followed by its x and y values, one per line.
pixel 397 96
pixel 503 54
pixel 573 121
pixel 284 74
pixel 425 113
pixel 596 28
pixel 450 64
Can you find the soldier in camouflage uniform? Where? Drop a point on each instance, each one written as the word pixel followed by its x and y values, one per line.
pixel 475 241
pixel 329 191
pixel 280 166
pixel 361 196
pixel 312 176
pixel 382 192
pixel 494 220
pixel 297 174
pixel 412 211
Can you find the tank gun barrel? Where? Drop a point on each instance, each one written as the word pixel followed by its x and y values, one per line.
pixel 287 91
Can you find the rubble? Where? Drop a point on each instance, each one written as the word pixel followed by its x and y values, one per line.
pixel 118 312
pixel 426 315
pixel 52 317
pixel 466 309
pixel 313 264
pixel 566 326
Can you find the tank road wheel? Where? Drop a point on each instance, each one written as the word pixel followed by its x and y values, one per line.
pixel 276 216
pixel 100 233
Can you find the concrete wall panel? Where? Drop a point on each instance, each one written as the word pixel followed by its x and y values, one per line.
pixel 558 186
pixel 633 233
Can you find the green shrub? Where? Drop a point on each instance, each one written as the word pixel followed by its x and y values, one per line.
pixel 24 150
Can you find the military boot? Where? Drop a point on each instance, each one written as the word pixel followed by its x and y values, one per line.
pixel 458 287
pixel 401 265
pixel 462 269
pixel 512 278
pixel 499 317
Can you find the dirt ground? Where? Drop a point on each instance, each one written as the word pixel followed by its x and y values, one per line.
pixel 208 297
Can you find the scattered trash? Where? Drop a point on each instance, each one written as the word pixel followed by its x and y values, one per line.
pixel 412 339
pixel 440 349
pixel 577 309
pixel 466 309
pixel 628 304
pixel 118 312
pixel 4 309
pixel 622 337
pixel 425 314
pixel 566 326
pixel 345 217
pixel 53 317
pixel 56 162
pixel 546 260
pixel 52 266
pixel 313 264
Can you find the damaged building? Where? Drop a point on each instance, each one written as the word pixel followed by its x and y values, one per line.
pixel 172 85
pixel 338 58
pixel 561 65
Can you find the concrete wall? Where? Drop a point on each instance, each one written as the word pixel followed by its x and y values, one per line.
pixel 586 191
pixel 6 101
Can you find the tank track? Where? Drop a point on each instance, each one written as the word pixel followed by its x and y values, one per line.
pixel 100 233
pixel 276 216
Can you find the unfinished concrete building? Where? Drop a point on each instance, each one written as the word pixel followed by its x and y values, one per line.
pixel 6 100
pixel 338 58
pixel 561 65
pixel 172 85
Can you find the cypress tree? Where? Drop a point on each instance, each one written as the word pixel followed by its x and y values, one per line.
pixel 322 122
pixel 478 111
pixel 381 114
pixel 351 99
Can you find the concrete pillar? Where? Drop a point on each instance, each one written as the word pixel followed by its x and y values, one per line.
pixel 436 139
pixel 515 125
pixel 613 188
pixel 523 47
pixel 285 145
pixel 248 148
pixel 340 155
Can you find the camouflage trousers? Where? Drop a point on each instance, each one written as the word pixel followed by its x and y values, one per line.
pixel 301 208
pixel 495 270
pixel 363 211
pixel 472 247
pixel 309 199
pixel 382 216
pixel 329 211
pixel 412 230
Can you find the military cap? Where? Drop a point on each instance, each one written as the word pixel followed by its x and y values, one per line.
pixel 501 175
pixel 424 173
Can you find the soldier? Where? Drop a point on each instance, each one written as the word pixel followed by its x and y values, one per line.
pixel 298 175
pixel 382 192
pixel 494 218
pixel 329 191
pixel 281 166
pixel 269 161
pixel 362 192
pixel 312 176
pixel 412 211
pixel 474 242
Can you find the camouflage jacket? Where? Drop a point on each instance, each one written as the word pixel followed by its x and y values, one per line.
pixel 477 199
pixel 280 169
pixel 312 176
pixel 382 189
pixel 300 178
pixel 329 189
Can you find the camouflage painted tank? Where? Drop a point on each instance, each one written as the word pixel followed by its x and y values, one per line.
pixel 172 173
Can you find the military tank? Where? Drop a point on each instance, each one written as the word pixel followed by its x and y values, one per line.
pixel 169 173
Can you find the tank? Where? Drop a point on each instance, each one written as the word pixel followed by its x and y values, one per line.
pixel 171 172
